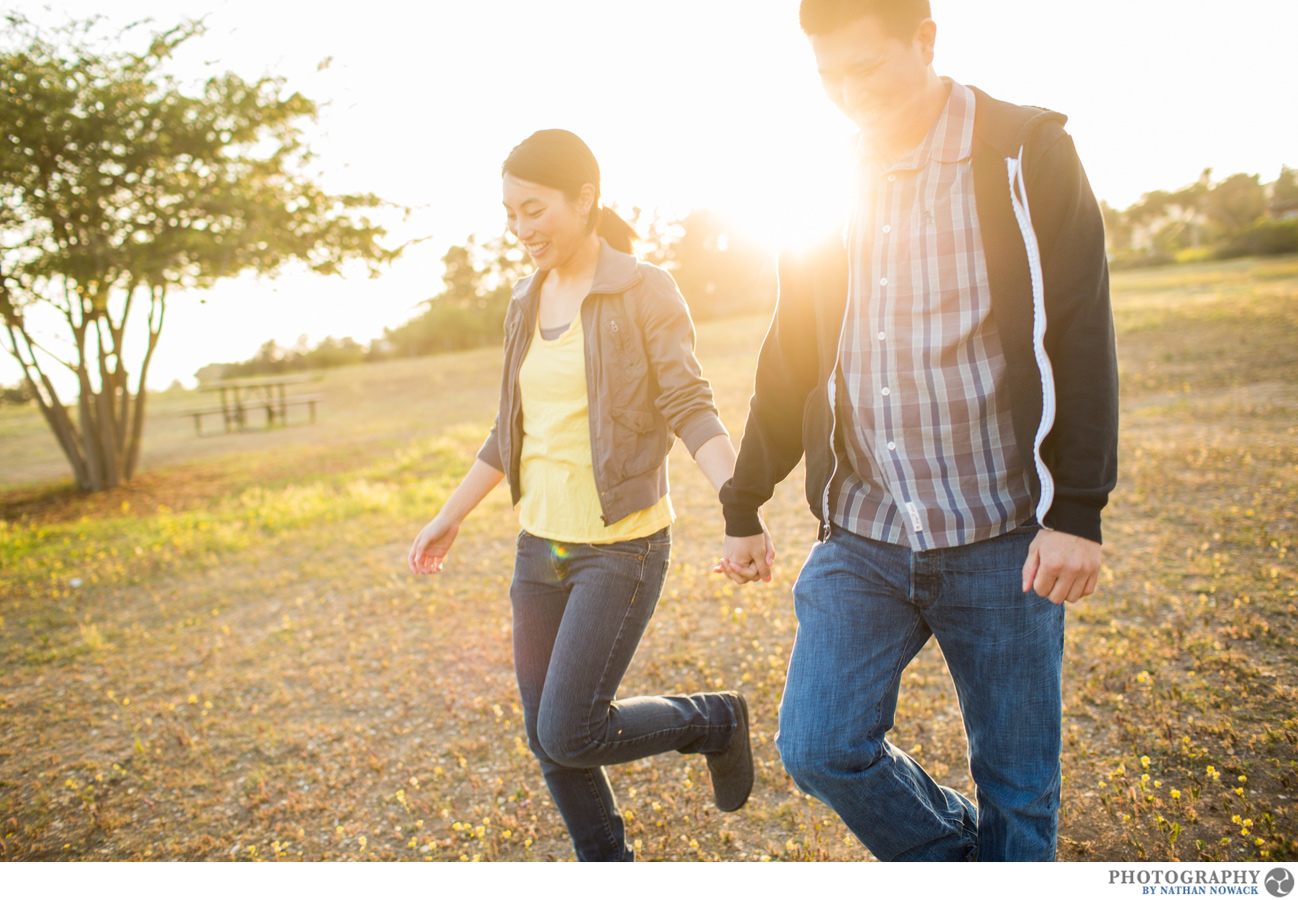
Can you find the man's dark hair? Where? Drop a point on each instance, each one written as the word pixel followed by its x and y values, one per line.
pixel 899 18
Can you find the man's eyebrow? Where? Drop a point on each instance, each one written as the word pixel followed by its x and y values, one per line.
pixel 861 61
pixel 857 63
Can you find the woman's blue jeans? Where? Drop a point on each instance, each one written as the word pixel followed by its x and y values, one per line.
pixel 579 612
pixel 864 610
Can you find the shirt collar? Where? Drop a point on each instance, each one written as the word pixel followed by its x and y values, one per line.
pixel 949 140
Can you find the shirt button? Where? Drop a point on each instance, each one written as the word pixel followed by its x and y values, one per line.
pixel 892 177
pixel 882 336
pixel 883 282
pixel 887 229
pixel 892 445
pixel 887 391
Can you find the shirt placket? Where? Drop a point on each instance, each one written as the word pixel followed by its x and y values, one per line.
pixel 891 261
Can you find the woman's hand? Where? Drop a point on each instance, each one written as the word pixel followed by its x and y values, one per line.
pixel 429 550
pixel 428 553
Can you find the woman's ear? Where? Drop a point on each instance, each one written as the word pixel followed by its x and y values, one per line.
pixel 586 199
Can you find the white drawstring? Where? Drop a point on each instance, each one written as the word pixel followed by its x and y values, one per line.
pixel 1019 200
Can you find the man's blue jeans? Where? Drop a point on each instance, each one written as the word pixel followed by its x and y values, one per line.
pixel 865 608
pixel 579 612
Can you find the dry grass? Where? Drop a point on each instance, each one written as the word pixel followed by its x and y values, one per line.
pixel 229 660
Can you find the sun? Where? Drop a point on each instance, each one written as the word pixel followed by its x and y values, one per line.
pixel 797 192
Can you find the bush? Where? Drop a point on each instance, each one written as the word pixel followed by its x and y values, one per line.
pixel 15 396
pixel 1140 259
pixel 1265 238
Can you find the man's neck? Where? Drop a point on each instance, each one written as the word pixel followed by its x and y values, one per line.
pixel 926 111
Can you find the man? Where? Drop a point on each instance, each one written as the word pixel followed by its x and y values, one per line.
pixel 951 362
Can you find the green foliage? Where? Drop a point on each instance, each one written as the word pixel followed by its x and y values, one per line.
pixel 1237 202
pixel 1265 238
pixel 117 184
pixel 1223 219
pixel 1284 192
pixel 470 310
pixel 16 395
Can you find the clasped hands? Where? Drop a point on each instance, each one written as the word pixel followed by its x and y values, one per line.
pixel 745 559
pixel 1061 567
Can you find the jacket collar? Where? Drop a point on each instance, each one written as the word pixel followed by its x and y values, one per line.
pixel 615 272
pixel 1006 127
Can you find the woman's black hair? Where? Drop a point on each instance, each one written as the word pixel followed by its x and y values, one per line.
pixel 559 159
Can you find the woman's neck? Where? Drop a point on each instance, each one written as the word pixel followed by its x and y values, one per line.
pixel 578 268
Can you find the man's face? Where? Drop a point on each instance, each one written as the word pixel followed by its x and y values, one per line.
pixel 876 79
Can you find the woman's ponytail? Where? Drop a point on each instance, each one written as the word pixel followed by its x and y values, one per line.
pixel 616 230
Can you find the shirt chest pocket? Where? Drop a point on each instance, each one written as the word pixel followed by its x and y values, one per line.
pixel 945 248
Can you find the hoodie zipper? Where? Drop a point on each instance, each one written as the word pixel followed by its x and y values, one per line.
pixel 1019 201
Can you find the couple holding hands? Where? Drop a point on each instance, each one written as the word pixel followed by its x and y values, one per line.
pixel 948 370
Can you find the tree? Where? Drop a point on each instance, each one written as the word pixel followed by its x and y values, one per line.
pixel 118 186
pixel 1118 232
pixel 1284 191
pixel 718 272
pixel 469 311
pixel 1237 202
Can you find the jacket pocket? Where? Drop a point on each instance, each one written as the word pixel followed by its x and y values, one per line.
pixel 637 420
pixel 636 441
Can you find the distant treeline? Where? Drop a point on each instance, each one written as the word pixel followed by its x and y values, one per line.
pixel 719 273
pixel 1237 216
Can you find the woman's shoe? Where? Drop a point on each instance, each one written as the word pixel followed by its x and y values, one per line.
pixel 732 768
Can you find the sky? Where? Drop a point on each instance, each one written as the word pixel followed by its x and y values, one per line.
pixel 686 104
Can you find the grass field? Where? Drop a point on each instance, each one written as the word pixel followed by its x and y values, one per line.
pixel 229 660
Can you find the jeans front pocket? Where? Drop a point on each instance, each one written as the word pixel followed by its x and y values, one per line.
pixel 636 548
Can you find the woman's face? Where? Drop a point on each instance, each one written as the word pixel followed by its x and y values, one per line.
pixel 547 223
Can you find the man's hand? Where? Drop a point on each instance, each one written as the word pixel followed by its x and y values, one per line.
pixel 746 559
pixel 1061 567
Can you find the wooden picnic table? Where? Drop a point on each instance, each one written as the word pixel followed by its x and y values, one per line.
pixel 238 396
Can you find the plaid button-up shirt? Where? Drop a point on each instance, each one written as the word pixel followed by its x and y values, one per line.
pixel 922 404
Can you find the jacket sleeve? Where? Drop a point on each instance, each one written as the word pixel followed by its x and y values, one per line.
pixel 684 395
pixel 490 452
pixel 1081 450
pixel 786 374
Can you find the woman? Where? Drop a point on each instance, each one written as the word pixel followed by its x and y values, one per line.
pixel 600 374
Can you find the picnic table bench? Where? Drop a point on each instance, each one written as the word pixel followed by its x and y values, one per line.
pixel 240 396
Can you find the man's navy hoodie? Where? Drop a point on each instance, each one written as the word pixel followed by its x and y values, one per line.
pixel 1050 297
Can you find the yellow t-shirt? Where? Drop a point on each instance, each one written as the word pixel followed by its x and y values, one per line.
pixel 559 498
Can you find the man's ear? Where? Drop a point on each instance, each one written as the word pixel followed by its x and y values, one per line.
pixel 927 37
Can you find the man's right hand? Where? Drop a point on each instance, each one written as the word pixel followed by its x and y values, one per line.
pixel 746 559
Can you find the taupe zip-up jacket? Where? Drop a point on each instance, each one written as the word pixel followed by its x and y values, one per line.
pixel 643 382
